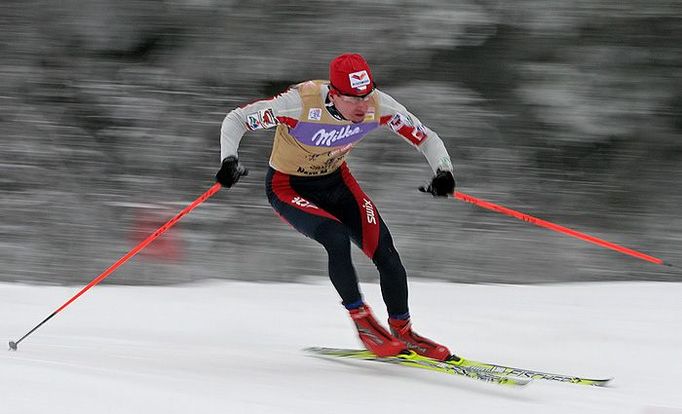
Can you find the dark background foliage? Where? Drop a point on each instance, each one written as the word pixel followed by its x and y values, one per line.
pixel 110 115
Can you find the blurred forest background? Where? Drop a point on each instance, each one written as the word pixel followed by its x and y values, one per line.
pixel 110 114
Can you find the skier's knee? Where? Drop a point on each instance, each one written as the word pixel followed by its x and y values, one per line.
pixel 333 236
pixel 386 254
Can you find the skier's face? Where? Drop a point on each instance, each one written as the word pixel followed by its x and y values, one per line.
pixel 353 108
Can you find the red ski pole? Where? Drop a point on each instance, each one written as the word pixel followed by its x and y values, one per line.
pixel 555 227
pixel 210 192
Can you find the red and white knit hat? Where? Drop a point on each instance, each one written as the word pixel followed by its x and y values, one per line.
pixel 350 75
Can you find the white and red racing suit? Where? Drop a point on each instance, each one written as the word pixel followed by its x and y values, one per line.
pixel 310 186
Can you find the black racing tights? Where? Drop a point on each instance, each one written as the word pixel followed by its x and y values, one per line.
pixel 333 210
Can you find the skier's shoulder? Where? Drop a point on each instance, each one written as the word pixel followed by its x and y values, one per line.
pixel 387 102
pixel 310 88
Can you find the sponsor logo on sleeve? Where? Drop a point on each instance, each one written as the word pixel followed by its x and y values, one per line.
pixel 315 114
pixel 359 80
pixel 267 118
pixel 253 122
pixel 404 126
pixel 262 119
pixel 397 122
pixel 418 132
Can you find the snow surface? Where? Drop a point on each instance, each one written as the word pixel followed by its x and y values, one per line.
pixel 235 347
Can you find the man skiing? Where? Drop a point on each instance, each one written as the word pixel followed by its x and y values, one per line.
pixel 310 186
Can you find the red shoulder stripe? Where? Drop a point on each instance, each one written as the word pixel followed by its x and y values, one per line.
pixel 290 122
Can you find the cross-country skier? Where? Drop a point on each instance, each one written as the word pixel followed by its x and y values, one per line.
pixel 310 186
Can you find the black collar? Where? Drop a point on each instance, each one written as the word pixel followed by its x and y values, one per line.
pixel 332 109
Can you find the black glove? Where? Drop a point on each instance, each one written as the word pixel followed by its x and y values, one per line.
pixel 442 184
pixel 230 172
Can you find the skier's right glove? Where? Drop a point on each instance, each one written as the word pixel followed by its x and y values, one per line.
pixel 230 172
pixel 442 184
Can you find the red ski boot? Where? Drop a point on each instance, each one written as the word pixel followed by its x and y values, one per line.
pixel 402 329
pixel 375 338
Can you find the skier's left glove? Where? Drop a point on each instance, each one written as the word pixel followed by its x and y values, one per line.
pixel 442 184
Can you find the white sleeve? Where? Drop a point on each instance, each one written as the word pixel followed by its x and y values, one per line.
pixel 396 117
pixel 262 114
